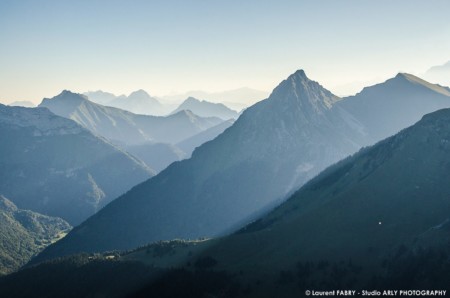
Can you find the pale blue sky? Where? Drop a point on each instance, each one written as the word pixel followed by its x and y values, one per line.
pixel 175 46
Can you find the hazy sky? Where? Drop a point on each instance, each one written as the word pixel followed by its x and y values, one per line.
pixel 175 46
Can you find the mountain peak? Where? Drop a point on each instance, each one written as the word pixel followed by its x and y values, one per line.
pixel 406 77
pixel 69 95
pixel 299 89
pixel 191 99
pixel 299 74
pixel 139 93
pixel 184 113
pixel 403 82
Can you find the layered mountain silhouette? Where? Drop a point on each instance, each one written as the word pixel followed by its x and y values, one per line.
pixel 22 103
pixel 138 102
pixel 274 147
pixel 24 233
pixel 100 97
pixel 188 145
pixel 207 109
pixel 439 74
pixel 365 216
pixel 158 155
pixel 124 127
pixel 54 166
pixel 376 220
pixel 236 99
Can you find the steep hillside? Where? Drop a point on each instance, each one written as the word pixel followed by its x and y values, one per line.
pixel 382 212
pixel 53 166
pixel 24 233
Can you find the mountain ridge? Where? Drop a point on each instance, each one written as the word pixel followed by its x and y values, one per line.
pixel 125 127
pixel 54 166
pixel 262 144
pixel 138 102
pixel 205 108
pixel 386 108
pixel 271 150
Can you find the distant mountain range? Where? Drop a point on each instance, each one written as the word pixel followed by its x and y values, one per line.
pixel 123 127
pixel 152 139
pixel 52 165
pixel 100 97
pixel 272 149
pixel 24 233
pixel 439 74
pixel 376 220
pixel 206 109
pixel 236 99
pixel 23 103
pixel 138 102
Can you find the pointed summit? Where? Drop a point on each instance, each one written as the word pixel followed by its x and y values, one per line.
pixel 299 92
pixel 410 78
pixel 298 77
pixel 300 74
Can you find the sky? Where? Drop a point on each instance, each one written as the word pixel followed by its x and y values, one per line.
pixel 173 46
